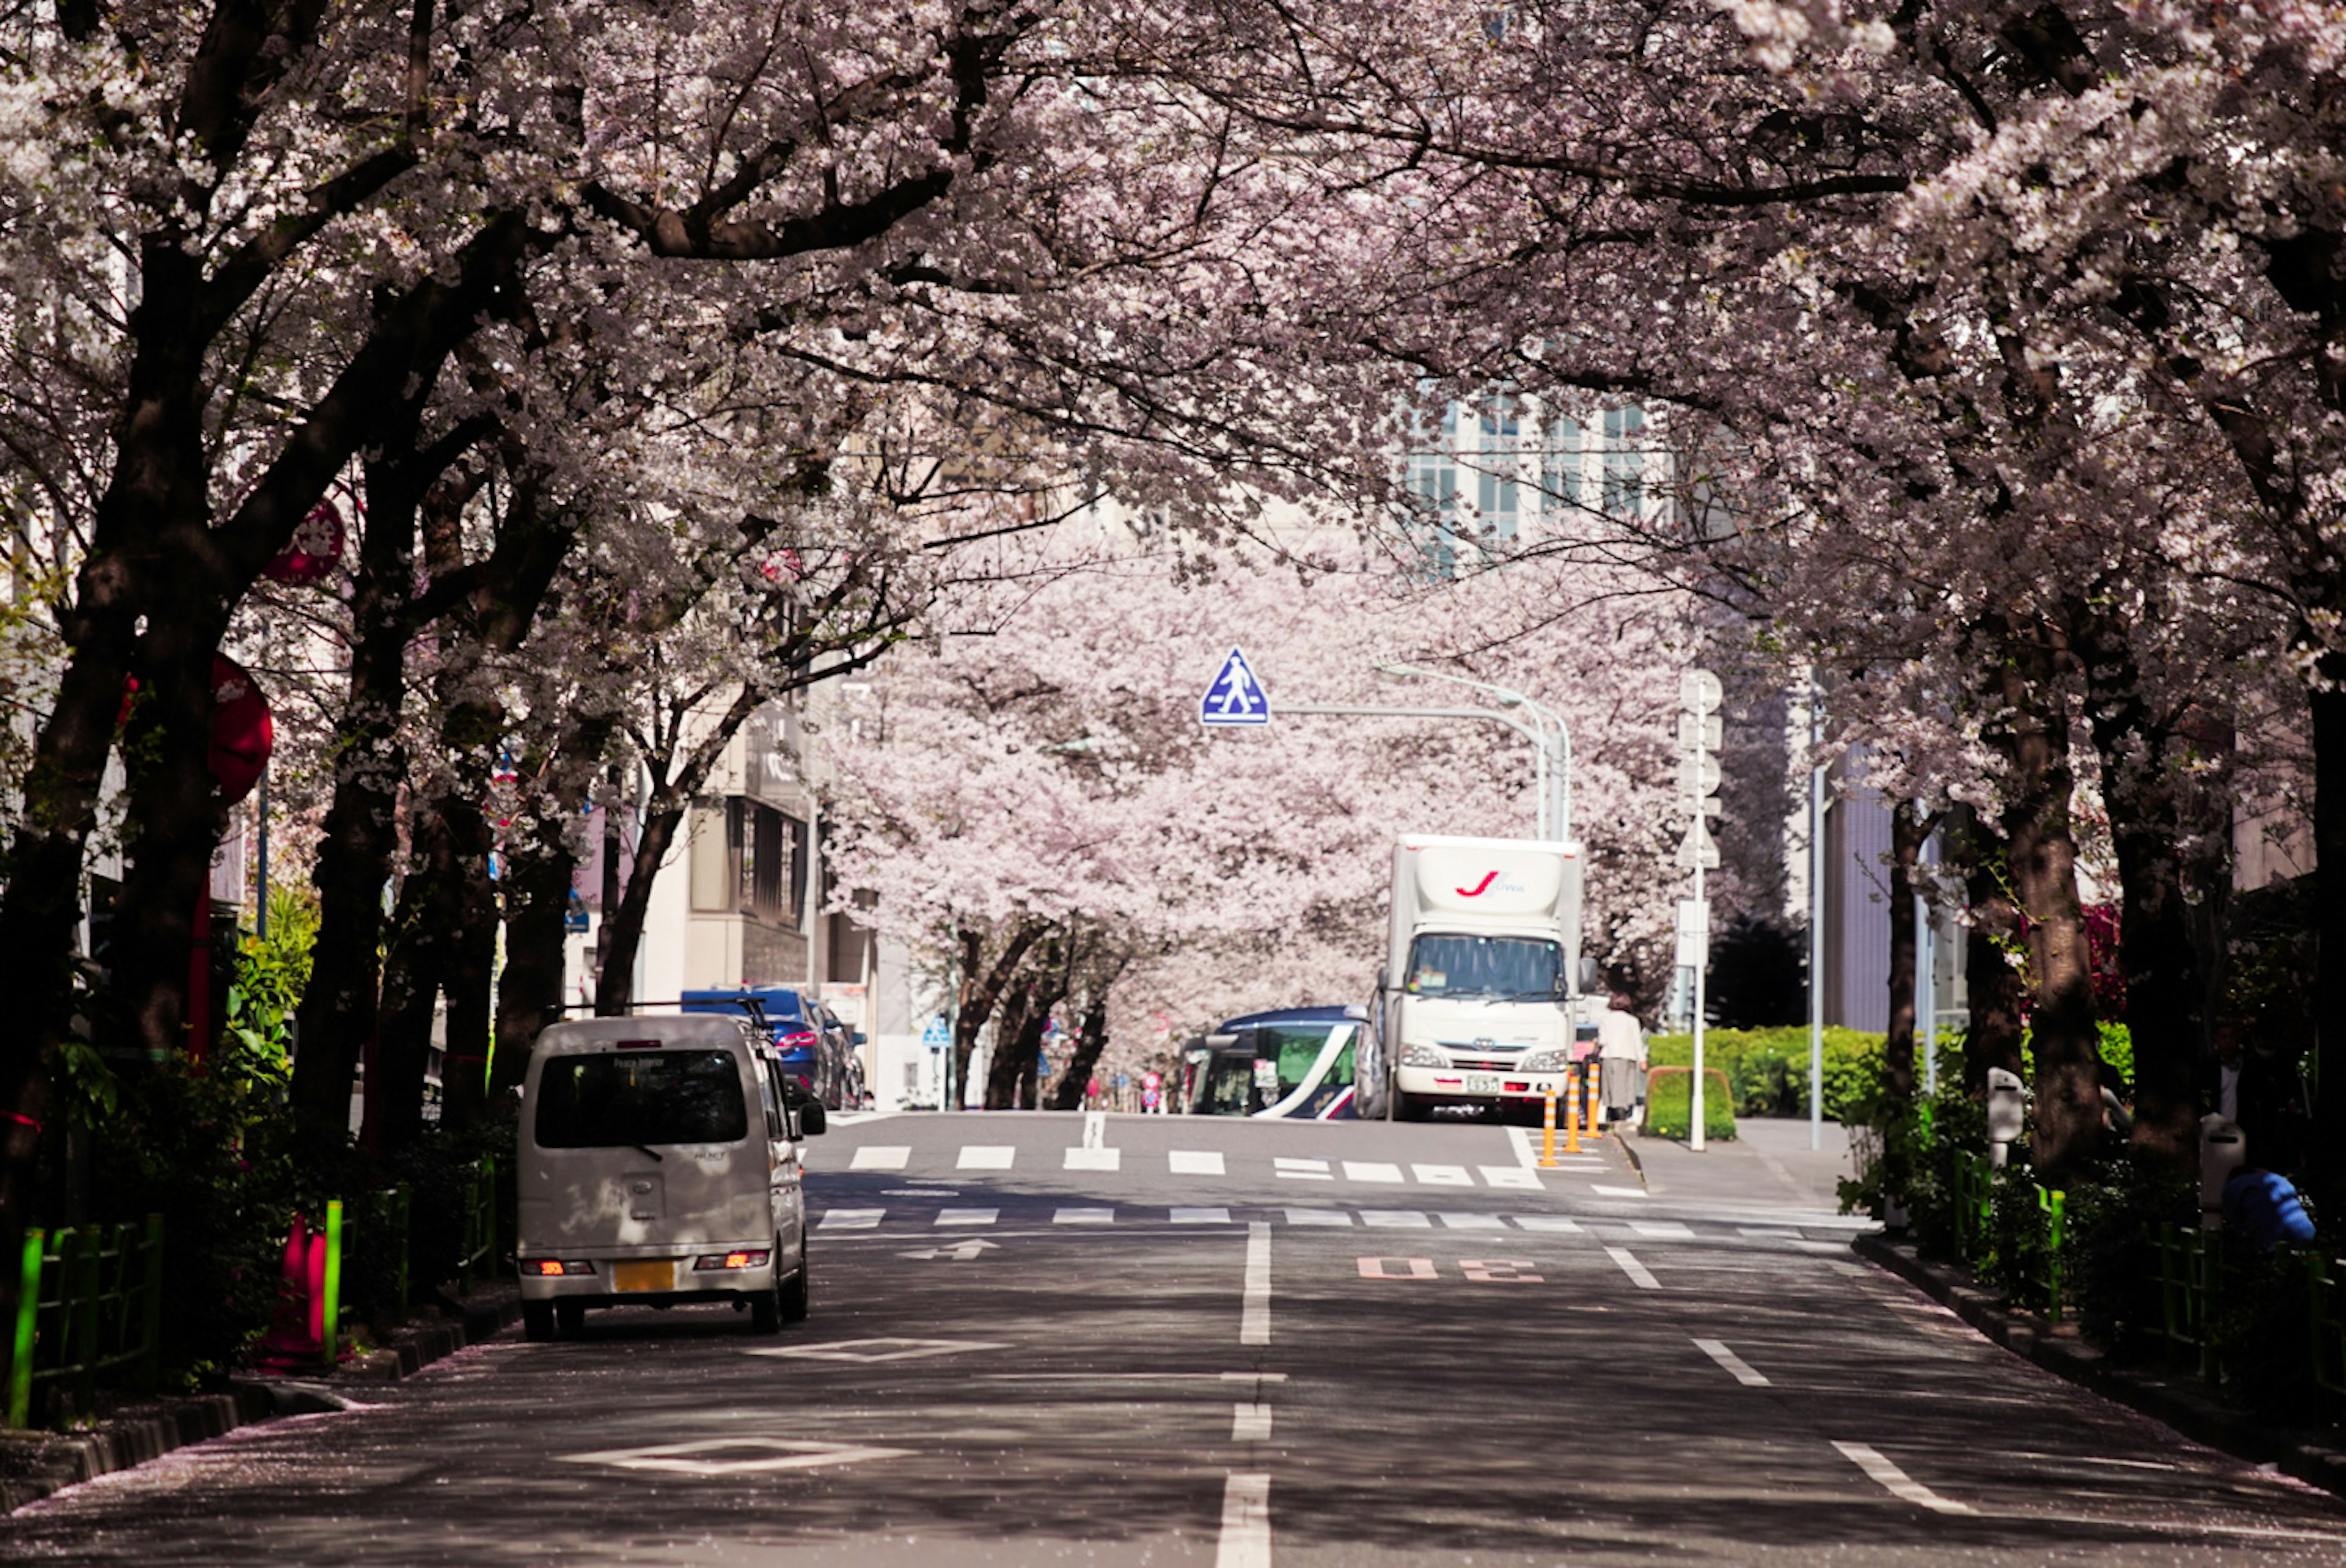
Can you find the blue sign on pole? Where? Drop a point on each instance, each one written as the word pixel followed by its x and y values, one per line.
pixel 1236 696
pixel 935 1034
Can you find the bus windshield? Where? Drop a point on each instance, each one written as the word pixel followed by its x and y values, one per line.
pixel 1489 966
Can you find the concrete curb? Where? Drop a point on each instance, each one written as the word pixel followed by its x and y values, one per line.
pixel 2184 1403
pixel 36 1464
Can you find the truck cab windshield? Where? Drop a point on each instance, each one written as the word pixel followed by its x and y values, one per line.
pixel 1485 966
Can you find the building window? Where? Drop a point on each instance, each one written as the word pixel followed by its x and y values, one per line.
pixel 1498 465
pixel 1625 462
pixel 747 859
pixel 1560 466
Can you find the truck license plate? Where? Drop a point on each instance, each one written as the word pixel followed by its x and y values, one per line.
pixel 659 1276
pixel 1481 1083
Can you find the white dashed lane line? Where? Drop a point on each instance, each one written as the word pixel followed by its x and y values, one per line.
pixel 1737 1366
pixel 1896 1482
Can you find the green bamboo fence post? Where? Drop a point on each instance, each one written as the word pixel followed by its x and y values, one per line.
pixel 330 1318
pixel 401 1199
pixel 28 1313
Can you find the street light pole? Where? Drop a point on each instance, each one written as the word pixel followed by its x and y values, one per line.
pixel 1560 811
pixel 1538 738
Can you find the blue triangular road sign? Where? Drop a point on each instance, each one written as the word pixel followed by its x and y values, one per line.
pixel 1236 696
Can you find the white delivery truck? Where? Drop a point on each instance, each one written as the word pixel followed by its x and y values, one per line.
pixel 1475 1000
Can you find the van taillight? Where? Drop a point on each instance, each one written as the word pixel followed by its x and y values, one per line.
pixel 547 1266
pixel 730 1260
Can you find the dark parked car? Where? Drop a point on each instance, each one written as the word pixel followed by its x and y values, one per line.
pixel 811 1042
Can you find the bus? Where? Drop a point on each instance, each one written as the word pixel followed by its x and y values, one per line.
pixel 1297 1061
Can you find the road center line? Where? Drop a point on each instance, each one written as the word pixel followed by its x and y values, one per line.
pixel 1246 1521
pixel 1254 1315
pixel 1896 1482
pixel 1742 1370
pixel 1637 1272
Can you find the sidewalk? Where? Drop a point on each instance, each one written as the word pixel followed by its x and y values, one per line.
pixel 1767 1165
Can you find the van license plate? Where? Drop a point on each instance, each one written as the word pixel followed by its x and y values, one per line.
pixel 1481 1083
pixel 660 1276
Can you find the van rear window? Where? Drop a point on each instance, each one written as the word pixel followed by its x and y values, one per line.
pixel 643 1097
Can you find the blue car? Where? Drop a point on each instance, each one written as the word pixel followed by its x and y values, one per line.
pixel 810 1053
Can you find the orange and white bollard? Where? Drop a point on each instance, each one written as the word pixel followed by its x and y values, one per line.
pixel 1547 1134
pixel 1571 1121
pixel 1595 1123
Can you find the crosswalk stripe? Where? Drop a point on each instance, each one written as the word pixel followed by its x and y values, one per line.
pixel 987 1157
pixel 1556 1224
pixel 1394 1219
pixel 880 1157
pixel 1301 1170
pixel 1201 1216
pixel 852 1220
pixel 1664 1231
pixel 1374 1171
pixel 1094 1159
pixel 1617 1191
pixel 1443 1175
pixel 1510 1176
pixel 1473 1222
pixel 967 1216
pixel 1195 1162
pixel 1319 1217
pixel 1084 1216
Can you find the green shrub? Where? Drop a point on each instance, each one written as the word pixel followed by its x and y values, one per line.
pixel 1668 1110
pixel 1767 1069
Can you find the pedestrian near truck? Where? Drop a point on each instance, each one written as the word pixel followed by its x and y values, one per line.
pixel 1621 1048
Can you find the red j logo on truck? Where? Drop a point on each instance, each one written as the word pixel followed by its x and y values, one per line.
pixel 1477 890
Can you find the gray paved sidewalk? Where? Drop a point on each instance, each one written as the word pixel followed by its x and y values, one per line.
pixel 1767 1165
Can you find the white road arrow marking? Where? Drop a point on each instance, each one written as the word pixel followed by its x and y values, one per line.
pixel 960 1252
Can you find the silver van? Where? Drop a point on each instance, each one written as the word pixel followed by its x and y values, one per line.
pixel 659 1166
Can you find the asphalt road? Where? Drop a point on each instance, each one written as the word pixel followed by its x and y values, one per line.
pixel 1398 1346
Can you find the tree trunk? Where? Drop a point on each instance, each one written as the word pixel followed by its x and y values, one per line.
pixel 2041 854
pixel 981 987
pixel 1992 1039
pixel 2328 1070
pixel 615 986
pixel 411 988
pixel 539 872
pixel 2156 809
pixel 1907 832
pixel 1091 1039
pixel 1019 1041
pixel 470 969
pixel 338 1010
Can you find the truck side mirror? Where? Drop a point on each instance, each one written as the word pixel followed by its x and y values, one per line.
pixel 1591 976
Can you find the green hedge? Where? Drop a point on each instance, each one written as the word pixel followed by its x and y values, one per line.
pixel 1669 1116
pixel 1768 1068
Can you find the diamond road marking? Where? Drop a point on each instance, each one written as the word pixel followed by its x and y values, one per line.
pixel 1195 1162
pixel 1374 1170
pixel 1666 1230
pixel 1319 1217
pixel 1301 1170
pixel 1510 1176
pixel 883 1349
pixel 1444 1176
pixel 967 1216
pixel 851 1219
pixel 1202 1215
pixel 756 1456
pixel 1094 1159
pixel 1084 1216
pixel 1617 1191
pixel 1549 1222
pixel 1473 1222
pixel 880 1157
pixel 1394 1219
pixel 987 1157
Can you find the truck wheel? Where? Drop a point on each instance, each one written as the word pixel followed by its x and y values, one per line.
pixel 796 1291
pixel 766 1307
pixel 537 1322
pixel 570 1316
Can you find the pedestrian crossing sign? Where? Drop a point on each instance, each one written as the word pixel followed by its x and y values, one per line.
pixel 935 1034
pixel 1235 696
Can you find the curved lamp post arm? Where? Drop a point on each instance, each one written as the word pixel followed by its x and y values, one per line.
pixel 1510 696
pixel 1538 738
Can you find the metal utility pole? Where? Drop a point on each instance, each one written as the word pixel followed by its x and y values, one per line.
pixel 1700 695
pixel 1816 923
